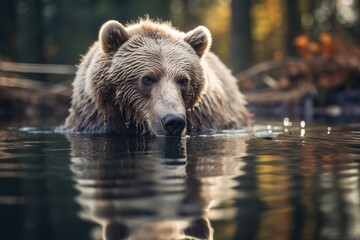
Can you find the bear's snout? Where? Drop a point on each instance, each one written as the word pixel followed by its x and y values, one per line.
pixel 173 124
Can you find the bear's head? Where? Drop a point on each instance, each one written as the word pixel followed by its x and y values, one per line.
pixel 150 74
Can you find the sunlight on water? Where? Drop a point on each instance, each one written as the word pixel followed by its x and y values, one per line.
pixel 329 130
pixel 286 180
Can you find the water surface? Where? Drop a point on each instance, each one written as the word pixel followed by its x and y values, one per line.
pixel 279 181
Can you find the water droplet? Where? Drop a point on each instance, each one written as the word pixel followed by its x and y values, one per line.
pixel 302 132
pixel 286 122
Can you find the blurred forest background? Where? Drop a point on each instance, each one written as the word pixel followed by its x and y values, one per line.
pixel 289 40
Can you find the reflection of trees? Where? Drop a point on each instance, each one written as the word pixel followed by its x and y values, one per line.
pixel 310 190
pixel 335 188
pixel 6 144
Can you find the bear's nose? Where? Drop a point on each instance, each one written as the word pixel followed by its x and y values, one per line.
pixel 173 124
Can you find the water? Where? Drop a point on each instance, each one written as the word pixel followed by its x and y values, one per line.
pixel 278 181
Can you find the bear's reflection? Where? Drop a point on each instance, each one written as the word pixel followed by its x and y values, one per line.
pixel 151 188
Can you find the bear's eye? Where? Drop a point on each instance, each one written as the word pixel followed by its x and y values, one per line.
pixel 183 82
pixel 148 80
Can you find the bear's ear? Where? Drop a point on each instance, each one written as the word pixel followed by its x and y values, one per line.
pixel 199 39
pixel 112 35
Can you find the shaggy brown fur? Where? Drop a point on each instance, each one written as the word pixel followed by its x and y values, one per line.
pixel 135 75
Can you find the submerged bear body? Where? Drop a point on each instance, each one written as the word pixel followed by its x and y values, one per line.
pixel 149 78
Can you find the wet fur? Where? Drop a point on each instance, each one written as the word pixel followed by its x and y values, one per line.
pixel 107 99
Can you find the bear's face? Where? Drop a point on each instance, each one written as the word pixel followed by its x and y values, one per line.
pixel 151 76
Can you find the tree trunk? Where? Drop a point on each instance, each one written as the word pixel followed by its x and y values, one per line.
pixel 241 40
pixel 294 28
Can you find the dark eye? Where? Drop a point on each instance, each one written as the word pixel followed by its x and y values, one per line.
pixel 148 80
pixel 183 82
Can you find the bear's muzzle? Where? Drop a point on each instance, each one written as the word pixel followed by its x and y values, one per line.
pixel 173 124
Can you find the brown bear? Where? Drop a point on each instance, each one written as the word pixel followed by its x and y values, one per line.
pixel 149 78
